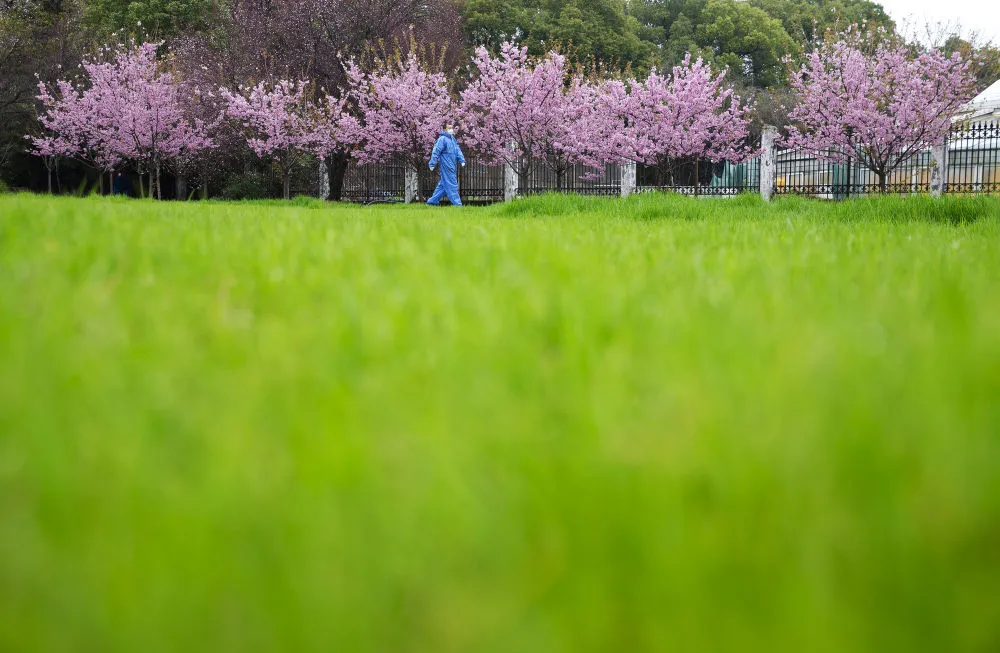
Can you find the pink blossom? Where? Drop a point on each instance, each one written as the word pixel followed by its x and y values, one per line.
pixel 401 109
pixel 126 109
pixel 691 113
pixel 879 108
pixel 515 110
pixel 280 123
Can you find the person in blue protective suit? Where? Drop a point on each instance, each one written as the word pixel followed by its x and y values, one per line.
pixel 448 155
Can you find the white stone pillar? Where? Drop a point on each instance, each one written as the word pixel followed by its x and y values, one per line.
pixel 767 167
pixel 510 183
pixel 628 178
pixel 939 168
pixel 324 181
pixel 411 183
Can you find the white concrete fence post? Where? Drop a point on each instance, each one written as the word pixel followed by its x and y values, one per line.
pixel 767 167
pixel 510 183
pixel 324 181
pixel 411 183
pixel 939 168
pixel 628 178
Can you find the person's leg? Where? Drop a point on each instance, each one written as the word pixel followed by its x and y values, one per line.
pixel 439 192
pixel 451 189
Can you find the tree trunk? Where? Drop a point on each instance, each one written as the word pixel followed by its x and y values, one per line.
pixel 159 189
pixel 100 183
pixel 882 182
pixel 336 167
pixel 286 183
pixel 49 169
pixel 142 188
pixel 523 175
pixel 180 187
pixel 560 179
pixel 697 175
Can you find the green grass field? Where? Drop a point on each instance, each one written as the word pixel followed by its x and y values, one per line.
pixel 563 425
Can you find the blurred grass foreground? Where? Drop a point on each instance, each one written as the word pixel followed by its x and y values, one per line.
pixel 561 425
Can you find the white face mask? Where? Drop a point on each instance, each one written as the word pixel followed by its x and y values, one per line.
pixel 450 131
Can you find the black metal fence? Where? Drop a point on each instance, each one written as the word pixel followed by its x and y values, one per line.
pixel 972 155
pixel 578 179
pixel 712 178
pixel 824 175
pixel 974 159
pixel 374 182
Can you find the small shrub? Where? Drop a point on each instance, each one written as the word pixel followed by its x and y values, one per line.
pixel 246 186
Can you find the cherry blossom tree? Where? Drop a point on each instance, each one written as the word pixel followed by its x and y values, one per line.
pixel 691 114
pixel 879 105
pixel 142 109
pixel 72 127
pixel 124 108
pixel 515 109
pixel 61 134
pixel 330 124
pixel 401 108
pixel 602 125
pixel 280 122
pixel 204 109
pixel 571 138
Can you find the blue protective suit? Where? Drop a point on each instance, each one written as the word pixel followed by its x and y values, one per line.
pixel 448 155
